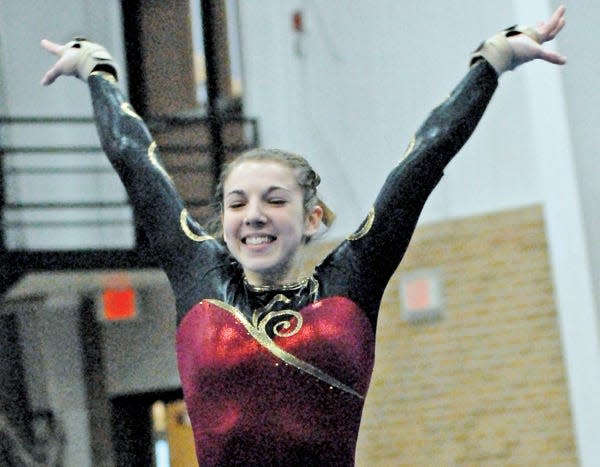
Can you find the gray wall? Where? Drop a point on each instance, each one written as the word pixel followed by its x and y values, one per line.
pixel 52 356
pixel 138 355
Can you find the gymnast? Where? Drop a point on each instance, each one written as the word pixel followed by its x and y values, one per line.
pixel 275 365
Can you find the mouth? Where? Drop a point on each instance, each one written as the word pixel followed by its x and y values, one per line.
pixel 258 239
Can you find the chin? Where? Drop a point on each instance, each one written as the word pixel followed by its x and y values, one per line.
pixel 265 274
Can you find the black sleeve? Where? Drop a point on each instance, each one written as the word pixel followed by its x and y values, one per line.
pixel 362 265
pixel 184 250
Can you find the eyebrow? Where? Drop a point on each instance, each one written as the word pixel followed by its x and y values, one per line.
pixel 267 192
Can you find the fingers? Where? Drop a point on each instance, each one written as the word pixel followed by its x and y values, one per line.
pixel 548 30
pixel 50 76
pixel 52 47
pixel 53 72
pixel 558 15
pixel 58 69
pixel 555 26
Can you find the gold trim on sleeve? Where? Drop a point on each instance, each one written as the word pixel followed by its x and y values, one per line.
pixel 154 160
pixel 366 226
pixel 409 149
pixel 259 333
pixel 128 109
pixel 183 218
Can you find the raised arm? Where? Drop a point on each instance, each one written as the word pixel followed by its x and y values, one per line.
pixel 183 249
pixel 362 265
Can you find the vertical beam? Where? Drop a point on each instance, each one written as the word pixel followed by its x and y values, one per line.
pixel 9 271
pixel 2 202
pixel 216 50
pixel 218 72
pixel 14 402
pixel 132 32
pixel 159 53
pixel 99 409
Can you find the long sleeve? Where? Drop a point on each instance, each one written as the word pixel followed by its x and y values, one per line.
pixel 362 265
pixel 184 250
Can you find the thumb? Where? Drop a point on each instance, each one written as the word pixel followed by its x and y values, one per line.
pixel 552 57
pixel 50 76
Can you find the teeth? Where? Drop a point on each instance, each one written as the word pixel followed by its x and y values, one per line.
pixel 258 240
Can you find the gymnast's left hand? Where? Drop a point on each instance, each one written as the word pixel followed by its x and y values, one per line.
pixel 526 49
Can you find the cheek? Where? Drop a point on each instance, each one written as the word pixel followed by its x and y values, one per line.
pixel 293 220
pixel 228 224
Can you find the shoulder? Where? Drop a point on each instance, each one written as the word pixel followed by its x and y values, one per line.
pixel 217 280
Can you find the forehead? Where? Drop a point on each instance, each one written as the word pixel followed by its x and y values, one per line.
pixel 260 175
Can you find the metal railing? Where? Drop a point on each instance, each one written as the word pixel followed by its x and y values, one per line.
pixel 36 169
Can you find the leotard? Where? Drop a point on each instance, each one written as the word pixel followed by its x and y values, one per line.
pixel 278 375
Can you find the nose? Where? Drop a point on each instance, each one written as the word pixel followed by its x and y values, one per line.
pixel 255 216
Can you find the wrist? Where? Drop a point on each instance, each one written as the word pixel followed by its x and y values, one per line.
pixel 498 51
pixel 93 57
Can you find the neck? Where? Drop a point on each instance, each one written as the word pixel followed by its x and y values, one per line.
pixel 262 280
pixel 279 286
pixel 281 276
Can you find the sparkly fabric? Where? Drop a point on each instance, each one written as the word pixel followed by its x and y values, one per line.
pixel 277 376
pixel 242 398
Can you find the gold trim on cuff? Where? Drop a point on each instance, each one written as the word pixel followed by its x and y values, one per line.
pixel 104 74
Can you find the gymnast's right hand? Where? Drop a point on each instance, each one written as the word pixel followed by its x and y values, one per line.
pixel 77 58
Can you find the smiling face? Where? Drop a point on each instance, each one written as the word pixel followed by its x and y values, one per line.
pixel 264 220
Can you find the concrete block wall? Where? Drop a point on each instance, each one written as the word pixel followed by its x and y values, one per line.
pixel 485 384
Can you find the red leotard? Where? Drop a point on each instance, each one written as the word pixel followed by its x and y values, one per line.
pixel 278 376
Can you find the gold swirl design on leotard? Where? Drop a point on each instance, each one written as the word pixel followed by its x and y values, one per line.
pixel 366 226
pixel 262 337
pixel 282 328
pixel 128 109
pixel 409 149
pixel 262 317
pixel 183 222
pixel 154 160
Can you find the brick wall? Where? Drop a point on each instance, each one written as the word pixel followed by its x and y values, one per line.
pixel 485 384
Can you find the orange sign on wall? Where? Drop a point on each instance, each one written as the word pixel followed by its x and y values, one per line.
pixel 119 304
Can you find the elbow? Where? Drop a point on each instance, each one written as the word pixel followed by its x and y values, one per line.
pixel 119 149
pixel 441 138
pixel 432 135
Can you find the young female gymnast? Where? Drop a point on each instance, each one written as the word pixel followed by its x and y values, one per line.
pixel 275 366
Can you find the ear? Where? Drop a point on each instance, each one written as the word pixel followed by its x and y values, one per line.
pixel 313 221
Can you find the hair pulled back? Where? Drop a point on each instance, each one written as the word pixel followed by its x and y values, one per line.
pixel 307 179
